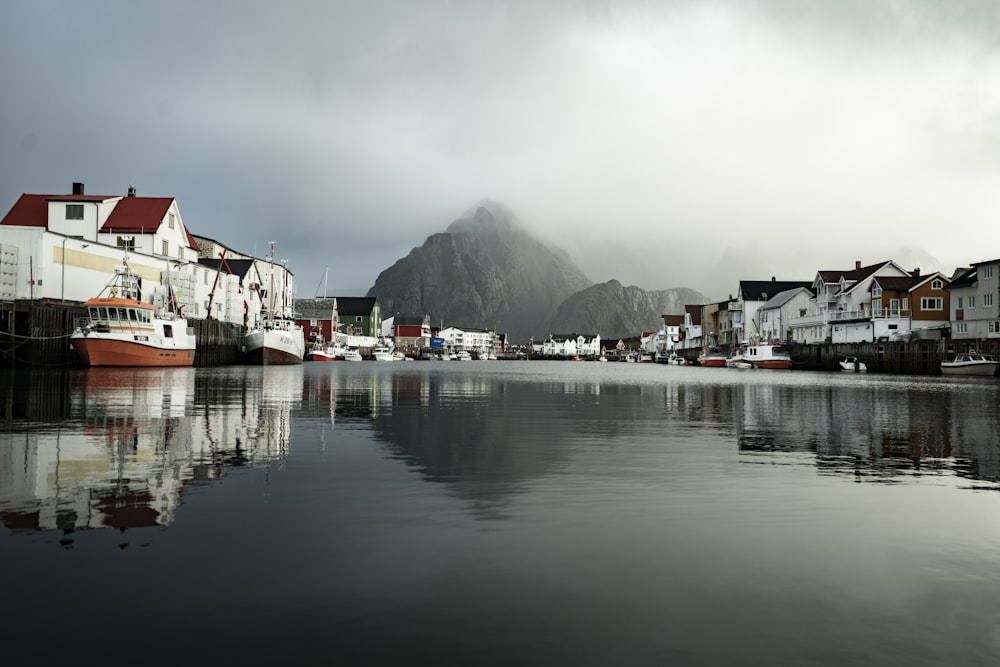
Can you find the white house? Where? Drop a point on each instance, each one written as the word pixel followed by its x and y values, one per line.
pixel 751 297
pixel 572 345
pixel 469 339
pixel 66 248
pixel 775 315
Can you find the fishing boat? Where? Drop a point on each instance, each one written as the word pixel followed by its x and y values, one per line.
pixel 352 354
pixel 122 330
pixel 712 356
pixel 971 363
pixel 760 355
pixel 276 339
pixel 321 351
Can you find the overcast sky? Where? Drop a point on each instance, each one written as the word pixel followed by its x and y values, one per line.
pixel 685 143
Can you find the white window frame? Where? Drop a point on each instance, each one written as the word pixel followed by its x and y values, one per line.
pixel 928 303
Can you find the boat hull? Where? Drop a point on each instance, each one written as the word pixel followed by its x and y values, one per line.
pixel 773 364
pixel 713 362
pixel 973 370
pixel 96 351
pixel 274 347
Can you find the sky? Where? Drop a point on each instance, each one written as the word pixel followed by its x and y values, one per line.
pixel 661 143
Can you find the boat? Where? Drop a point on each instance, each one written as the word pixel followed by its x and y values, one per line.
pixel 383 353
pixel 351 354
pixel 712 356
pixel 462 355
pixel 853 365
pixel 971 363
pixel 275 339
pixel 122 330
pixel 760 355
pixel 321 351
pixel 676 360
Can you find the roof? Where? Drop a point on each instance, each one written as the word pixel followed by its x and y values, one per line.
pixel 898 283
pixel 409 320
pixel 762 290
pixel 33 210
pixel 572 336
pixel 695 312
pixel 238 267
pixel 137 214
pixel 347 306
pixel 966 279
pixel 781 298
pixel 673 320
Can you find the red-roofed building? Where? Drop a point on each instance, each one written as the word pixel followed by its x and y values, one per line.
pixel 66 247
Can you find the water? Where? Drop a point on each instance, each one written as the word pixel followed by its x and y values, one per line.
pixel 501 513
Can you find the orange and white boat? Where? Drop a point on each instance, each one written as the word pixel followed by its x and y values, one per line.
pixel 712 356
pixel 760 355
pixel 122 330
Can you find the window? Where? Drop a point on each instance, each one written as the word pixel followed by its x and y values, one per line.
pixel 894 306
pixel 876 290
pixel 906 303
pixel 170 221
pixel 359 318
pixel 74 211
pixel 877 306
pixel 166 248
pixel 959 306
pixel 961 327
pixel 994 326
pixel 987 300
pixel 988 271
pixel 937 284
pixel 972 302
pixel 931 303
pixel 126 242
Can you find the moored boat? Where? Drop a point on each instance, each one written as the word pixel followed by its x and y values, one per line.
pixel 275 339
pixel 712 357
pixel 971 363
pixel 760 355
pixel 853 365
pixel 122 330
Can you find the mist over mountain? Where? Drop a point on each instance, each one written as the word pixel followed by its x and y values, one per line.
pixel 616 311
pixel 484 271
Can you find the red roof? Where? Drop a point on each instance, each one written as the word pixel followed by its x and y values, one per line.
pixel 33 210
pixel 29 211
pixel 137 214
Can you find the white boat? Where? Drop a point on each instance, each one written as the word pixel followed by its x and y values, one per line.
pixel 462 355
pixel 971 363
pixel 853 365
pixel 275 339
pixel 760 355
pixel 122 330
pixel 352 354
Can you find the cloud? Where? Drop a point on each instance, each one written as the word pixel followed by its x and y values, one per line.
pixel 645 137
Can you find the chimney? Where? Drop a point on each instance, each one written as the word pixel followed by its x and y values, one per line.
pixel 916 272
pixel 78 188
pixel 131 191
pixel 773 279
pixel 857 264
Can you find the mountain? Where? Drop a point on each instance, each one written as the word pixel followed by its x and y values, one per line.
pixel 615 311
pixel 484 271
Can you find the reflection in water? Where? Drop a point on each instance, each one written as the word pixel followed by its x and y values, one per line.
pixel 132 440
pixel 878 431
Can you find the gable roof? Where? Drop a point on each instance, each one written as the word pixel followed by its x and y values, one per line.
pixel 762 290
pixel 673 320
pixel 33 210
pixel 781 298
pixel 350 306
pixel 695 312
pixel 968 278
pixel 897 283
pixel 238 267
pixel 137 214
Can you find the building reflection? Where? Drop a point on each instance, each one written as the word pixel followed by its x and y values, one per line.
pixel 877 432
pixel 133 440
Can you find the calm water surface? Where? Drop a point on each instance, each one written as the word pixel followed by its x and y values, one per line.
pixel 501 513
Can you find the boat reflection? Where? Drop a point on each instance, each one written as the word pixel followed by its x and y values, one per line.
pixel 134 440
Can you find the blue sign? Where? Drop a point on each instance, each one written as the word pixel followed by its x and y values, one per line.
pixel 437 343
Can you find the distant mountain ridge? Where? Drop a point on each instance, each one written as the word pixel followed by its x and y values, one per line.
pixel 486 271
pixel 616 311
